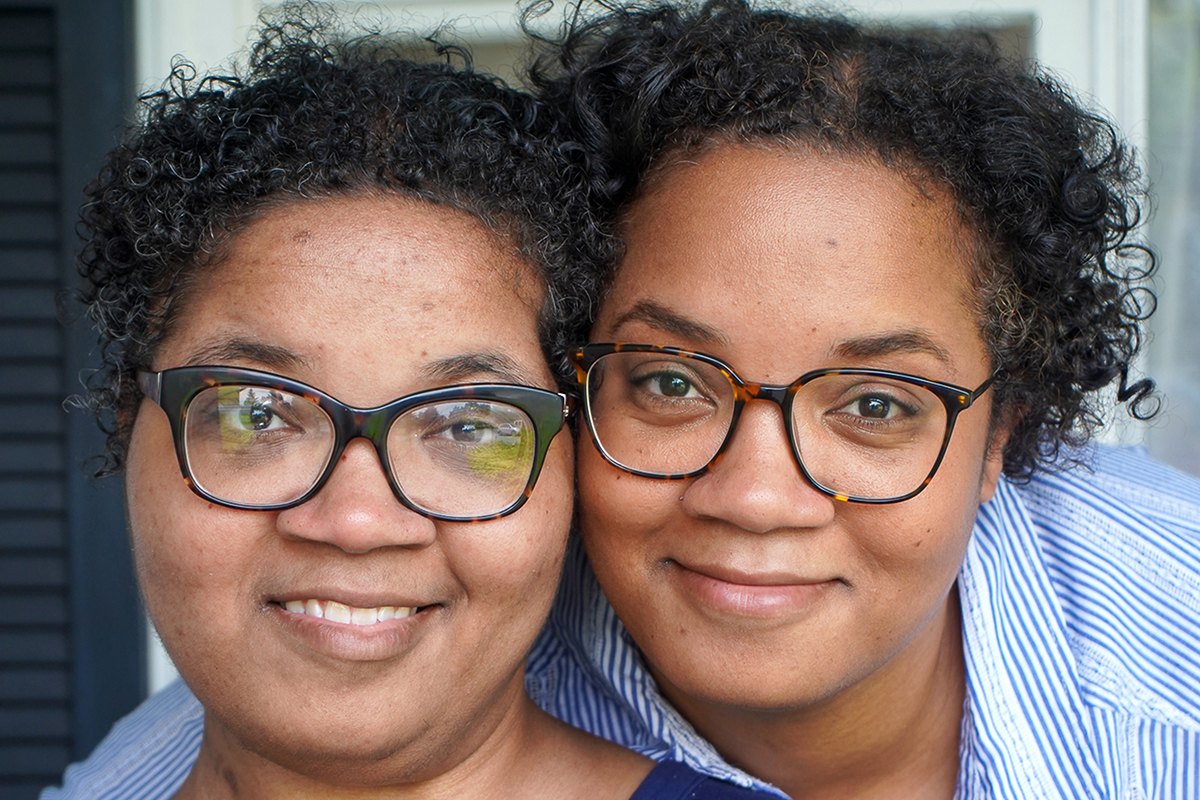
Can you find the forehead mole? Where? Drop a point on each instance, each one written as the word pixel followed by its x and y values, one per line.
pixel 302 236
pixel 831 243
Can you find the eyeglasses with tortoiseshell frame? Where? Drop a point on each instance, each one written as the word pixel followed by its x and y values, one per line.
pixel 859 435
pixel 255 440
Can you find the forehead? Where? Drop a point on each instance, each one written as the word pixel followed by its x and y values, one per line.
pixel 766 241
pixel 364 283
pixel 735 184
pixel 399 235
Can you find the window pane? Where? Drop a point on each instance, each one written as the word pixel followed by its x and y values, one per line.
pixel 1174 231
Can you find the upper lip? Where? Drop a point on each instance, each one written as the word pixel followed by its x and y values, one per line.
pixel 756 576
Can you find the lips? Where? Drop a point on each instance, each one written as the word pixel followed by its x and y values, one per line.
pixel 352 628
pixel 753 575
pixel 765 593
pixel 349 615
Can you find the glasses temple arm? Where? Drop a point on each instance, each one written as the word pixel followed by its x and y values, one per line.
pixel 150 384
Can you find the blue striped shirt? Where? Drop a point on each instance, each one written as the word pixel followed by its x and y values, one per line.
pixel 1080 597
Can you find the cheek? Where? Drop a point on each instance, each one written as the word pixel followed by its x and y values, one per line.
pixel 921 542
pixel 610 504
pixel 553 498
pixel 516 560
pixel 152 479
pixel 914 551
pixel 189 568
pixel 624 521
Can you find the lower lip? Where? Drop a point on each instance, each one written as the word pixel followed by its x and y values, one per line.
pixel 750 600
pixel 345 642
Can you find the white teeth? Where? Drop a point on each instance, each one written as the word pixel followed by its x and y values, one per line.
pixel 364 616
pixel 340 612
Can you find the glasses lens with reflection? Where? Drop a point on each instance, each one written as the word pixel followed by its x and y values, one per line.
pixel 263 446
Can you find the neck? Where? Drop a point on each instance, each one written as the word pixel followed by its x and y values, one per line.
pixel 895 734
pixel 526 753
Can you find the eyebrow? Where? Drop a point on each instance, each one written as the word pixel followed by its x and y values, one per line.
pixel 909 341
pixel 661 318
pixel 456 369
pixel 470 365
pixel 272 357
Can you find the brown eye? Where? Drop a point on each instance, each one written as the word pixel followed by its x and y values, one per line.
pixel 674 386
pixel 874 407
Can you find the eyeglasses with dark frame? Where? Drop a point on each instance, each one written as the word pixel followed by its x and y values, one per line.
pixel 858 435
pixel 253 440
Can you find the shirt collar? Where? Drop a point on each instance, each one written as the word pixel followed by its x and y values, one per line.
pixel 1029 725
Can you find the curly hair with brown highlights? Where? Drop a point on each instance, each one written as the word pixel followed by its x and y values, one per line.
pixel 319 114
pixel 1049 190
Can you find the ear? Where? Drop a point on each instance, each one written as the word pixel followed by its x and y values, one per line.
pixel 993 464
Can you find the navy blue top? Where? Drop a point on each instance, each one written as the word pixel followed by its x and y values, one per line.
pixel 671 780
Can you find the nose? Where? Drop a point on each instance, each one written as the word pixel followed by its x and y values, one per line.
pixel 356 509
pixel 756 484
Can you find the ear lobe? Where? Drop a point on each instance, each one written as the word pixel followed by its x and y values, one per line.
pixel 992 468
pixel 994 463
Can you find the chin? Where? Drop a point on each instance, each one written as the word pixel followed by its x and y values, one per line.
pixel 766 687
pixel 337 753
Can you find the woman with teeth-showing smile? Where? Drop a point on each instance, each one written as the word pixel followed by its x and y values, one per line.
pixel 322 291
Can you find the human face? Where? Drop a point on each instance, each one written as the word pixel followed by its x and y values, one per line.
pixel 745 586
pixel 367 299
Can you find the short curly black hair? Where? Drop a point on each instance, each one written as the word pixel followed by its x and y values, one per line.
pixel 1047 187
pixel 318 114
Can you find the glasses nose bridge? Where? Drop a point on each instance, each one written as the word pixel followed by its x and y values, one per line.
pixel 359 423
pixel 765 391
pixel 779 395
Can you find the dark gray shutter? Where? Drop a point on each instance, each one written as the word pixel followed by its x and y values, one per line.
pixel 34 640
pixel 70 657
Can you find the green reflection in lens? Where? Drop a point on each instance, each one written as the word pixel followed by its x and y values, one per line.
pixel 233 438
pixel 503 456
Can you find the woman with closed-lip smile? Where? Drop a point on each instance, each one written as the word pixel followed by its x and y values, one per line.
pixel 870 289
pixel 881 614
